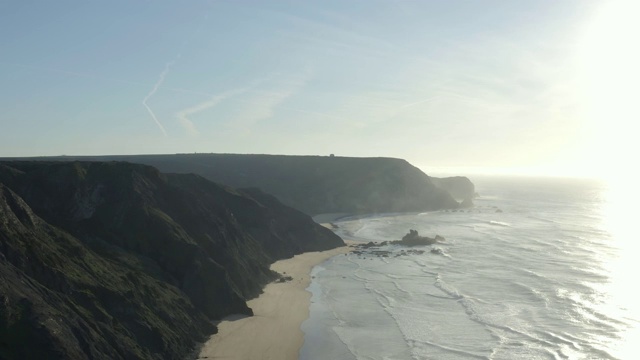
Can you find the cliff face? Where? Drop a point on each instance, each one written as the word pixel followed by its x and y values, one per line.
pixel 459 187
pixel 314 184
pixel 61 300
pixel 120 261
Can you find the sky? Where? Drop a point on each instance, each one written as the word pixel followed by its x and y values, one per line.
pixel 539 87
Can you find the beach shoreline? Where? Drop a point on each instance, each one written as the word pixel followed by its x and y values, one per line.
pixel 274 332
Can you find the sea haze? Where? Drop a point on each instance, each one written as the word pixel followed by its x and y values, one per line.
pixel 533 271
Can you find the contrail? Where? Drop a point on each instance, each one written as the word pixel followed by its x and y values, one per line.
pixel 163 74
pixel 183 115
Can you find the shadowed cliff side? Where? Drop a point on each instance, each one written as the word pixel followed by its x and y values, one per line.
pixel 119 261
pixel 60 300
pixel 460 187
pixel 312 184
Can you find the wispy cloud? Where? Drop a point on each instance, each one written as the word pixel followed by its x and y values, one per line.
pixel 183 115
pixel 405 106
pixel 264 104
pixel 155 88
pixel 318 114
pixel 102 78
pixel 330 36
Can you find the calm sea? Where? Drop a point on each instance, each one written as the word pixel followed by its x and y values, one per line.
pixel 538 269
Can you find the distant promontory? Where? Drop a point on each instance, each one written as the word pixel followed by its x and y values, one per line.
pixel 319 184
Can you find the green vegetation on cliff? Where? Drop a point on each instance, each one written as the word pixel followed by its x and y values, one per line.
pixel 119 261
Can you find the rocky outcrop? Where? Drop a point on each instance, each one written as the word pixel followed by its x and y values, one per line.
pixel 120 261
pixel 414 239
pixel 313 184
pixel 382 249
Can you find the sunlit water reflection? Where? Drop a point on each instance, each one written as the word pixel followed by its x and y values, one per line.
pixel 621 297
pixel 550 276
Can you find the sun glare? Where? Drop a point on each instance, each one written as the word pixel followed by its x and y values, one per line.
pixel 609 57
pixel 618 220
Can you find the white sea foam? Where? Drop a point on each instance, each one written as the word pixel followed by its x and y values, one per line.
pixel 499 223
pixel 531 282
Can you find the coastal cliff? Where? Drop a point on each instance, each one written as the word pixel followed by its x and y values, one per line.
pixel 313 184
pixel 460 187
pixel 119 261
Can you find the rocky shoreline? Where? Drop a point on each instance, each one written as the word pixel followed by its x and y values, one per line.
pixel 411 239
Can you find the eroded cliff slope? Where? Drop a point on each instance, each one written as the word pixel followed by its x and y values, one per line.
pixel 119 261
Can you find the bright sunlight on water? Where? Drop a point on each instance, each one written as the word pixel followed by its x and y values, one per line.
pixel 620 294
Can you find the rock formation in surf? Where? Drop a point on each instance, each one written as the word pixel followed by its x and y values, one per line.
pixel 414 239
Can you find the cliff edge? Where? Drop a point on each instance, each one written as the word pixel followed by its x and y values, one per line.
pixel 460 187
pixel 312 184
pixel 120 261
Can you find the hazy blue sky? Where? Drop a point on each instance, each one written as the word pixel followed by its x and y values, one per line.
pixel 509 85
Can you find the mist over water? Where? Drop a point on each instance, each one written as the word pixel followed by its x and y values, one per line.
pixel 535 270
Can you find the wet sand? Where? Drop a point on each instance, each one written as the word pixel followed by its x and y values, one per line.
pixel 274 330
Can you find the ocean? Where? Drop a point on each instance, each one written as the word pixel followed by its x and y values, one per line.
pixel 538 269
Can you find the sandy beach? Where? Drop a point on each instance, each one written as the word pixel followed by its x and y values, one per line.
pixel 274 330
